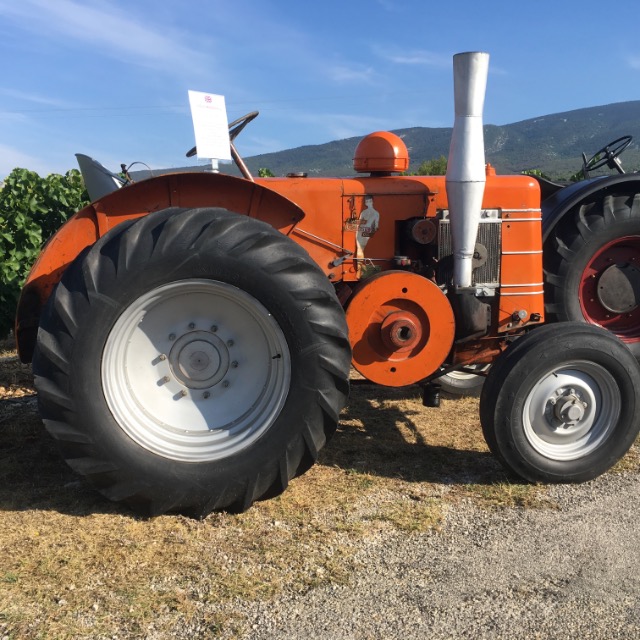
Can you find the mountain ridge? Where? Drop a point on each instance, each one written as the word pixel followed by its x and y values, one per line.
pixel 551 143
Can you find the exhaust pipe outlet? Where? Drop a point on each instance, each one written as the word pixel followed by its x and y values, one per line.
pixel 466 174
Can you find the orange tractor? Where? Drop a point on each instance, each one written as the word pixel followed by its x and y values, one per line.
pixel 192 334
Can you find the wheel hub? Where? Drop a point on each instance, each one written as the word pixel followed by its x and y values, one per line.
pixel 401 331
pixel 569 409
pixel 619 288
pixel 199 359
pixel 610 288
pixel 569 412
pixel 195 370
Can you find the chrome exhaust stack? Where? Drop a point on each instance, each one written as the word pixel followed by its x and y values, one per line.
pixel 466 174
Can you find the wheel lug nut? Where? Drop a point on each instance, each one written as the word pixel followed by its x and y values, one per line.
pixel 213 328
pixel 225 384
pixel 192 325
pixel 172 336
pixel 206 395
pixel 183 393
pixel 162 357
pixel 234 365
pixel 230 343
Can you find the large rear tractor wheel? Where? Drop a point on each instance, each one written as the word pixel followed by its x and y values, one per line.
pixel 561 404
pixel 192 360
pixel 592 268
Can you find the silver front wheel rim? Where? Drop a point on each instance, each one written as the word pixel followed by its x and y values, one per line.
pixel 196 370
pixel 572 410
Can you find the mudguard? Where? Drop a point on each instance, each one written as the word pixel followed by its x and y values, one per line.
pixel 188 190
pixel 556 205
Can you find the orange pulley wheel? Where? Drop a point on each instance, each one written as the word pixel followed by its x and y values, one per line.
pixel 401 328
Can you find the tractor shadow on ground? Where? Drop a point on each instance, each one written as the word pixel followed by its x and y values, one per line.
pixel 33 474
pixel 387 432
pixel 383 432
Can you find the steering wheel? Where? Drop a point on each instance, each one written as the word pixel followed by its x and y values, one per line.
pixel 235 128
pixel 608 155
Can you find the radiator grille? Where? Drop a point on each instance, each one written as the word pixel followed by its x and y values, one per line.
pixel 489 235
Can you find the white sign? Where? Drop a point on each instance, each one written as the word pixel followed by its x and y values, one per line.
pixel 209 115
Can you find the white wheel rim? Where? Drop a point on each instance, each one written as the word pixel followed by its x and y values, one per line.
pixel 466 375
pixel 571 411
pixel 196 370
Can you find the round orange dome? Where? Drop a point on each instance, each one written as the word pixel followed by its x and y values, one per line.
pixel 381 152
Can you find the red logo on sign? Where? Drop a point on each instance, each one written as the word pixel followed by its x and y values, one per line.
pixel 207 98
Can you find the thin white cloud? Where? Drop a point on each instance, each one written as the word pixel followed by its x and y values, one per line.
pixel 417 57
pixel 634 62
pixel 390 5
pixel 12 158
pixel 13 118
pixel 107 30
pixel 36 98
pixel 423 58
pixel 342 125
pixel 342 74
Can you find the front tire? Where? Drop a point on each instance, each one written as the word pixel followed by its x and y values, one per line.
pixel 192 360
pixel 560 405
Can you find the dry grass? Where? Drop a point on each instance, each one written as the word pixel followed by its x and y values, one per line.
pixel 15 378
pixel 73 565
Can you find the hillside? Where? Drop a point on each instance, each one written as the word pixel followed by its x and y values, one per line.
pixel 552 143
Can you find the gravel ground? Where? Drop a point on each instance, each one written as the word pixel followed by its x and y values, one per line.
pixel 570 572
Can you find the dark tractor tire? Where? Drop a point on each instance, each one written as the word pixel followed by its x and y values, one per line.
pixel 561 404
pixel 592 267
pixel 192 360
pixel 462 384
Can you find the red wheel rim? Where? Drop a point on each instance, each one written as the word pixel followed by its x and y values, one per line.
pixel 610 288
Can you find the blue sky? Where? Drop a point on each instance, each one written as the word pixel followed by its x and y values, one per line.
pixel 110 79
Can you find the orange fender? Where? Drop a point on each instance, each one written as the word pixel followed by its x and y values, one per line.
pixel 187 190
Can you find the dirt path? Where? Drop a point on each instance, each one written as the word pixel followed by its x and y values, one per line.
pixel 332 557
pixel 570 572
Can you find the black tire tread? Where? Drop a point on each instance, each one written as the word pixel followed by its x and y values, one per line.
pixel 135 242
pixel 579 228
pixel 571 334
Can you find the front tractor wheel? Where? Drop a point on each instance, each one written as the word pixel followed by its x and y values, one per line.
pixel 560 405
pixel 592 268
pixel 192 360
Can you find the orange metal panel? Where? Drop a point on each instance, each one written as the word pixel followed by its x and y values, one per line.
pixel 324 215
pixel 521 235
pixel 78 232
pixel 521 290
pixel 370 210
pixel 521 269
pixel 397 302
pixel 177 190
